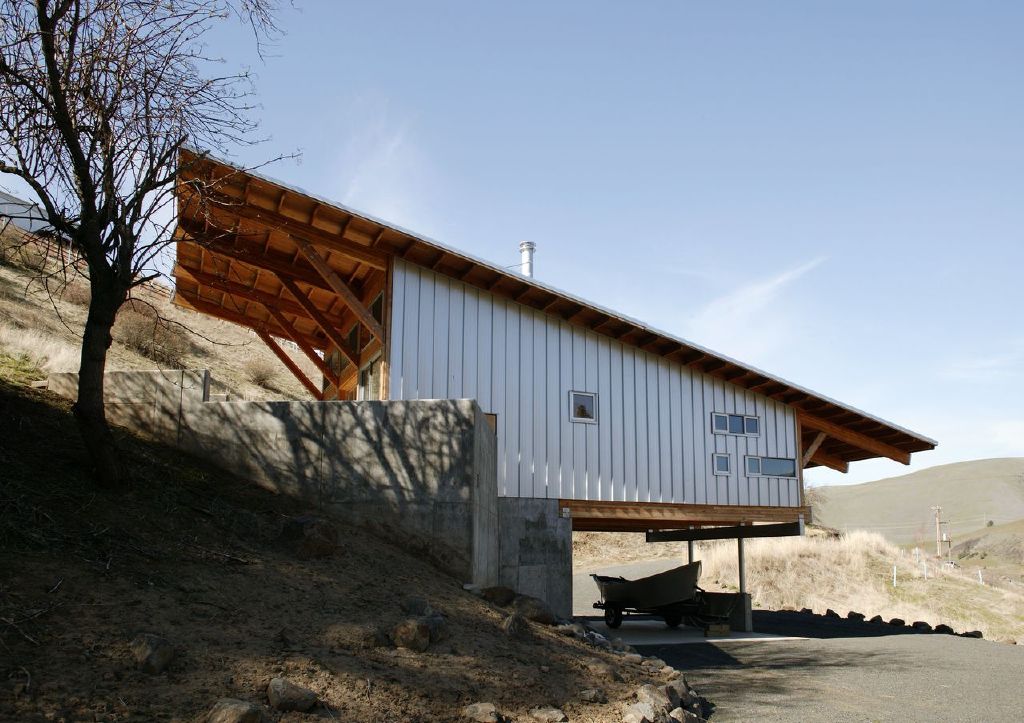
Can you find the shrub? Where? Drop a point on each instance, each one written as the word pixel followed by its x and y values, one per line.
pixel 140 329
pixel 260 372
pixel 77 293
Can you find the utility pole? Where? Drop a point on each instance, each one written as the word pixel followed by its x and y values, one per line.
pixel 938 530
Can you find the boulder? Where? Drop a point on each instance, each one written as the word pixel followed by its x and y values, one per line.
pixel 878 620
pixel 437 626
pixel 308 537
pixel 633 658
pixel 230 710
pixel 593 695
pixel 548 714
pixel 807 611
pixel 681 715
pixel 644 713
pixel 898 622
pixel 679 692
pixel 573 630
pixel 973 634
pixel 482 713
pixel 411 634
pixel 655 696
pixel 515 626
pixel 285 695
pixel 922 626
pixel 605 670
pixel 498 595
pixel 152 653
pixel 830 613
pixel 944 629
pixel 855 616
pixel 533 608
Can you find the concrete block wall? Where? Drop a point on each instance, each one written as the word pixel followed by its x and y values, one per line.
pixel 423 472
pixel 535 550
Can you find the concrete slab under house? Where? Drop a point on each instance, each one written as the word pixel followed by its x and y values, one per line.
pixel 599 422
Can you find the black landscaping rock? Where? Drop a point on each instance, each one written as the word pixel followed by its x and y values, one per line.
pixel 285 695
pixel 830 613
pixel 922 626
pixel 973 634
pixel 152 653
pixel 859 617
pixel 807 611
pixel 897 622
pixel 878 619
pixel 308 537
pixel 944 629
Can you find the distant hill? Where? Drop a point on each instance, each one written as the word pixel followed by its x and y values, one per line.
pixel 970 493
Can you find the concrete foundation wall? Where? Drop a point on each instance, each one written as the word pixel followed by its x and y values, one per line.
pixel 535 551
pixel 423 472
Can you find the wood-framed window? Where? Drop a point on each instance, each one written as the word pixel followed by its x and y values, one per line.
pixel 744 425
pixel 368 386
pixel 721 464
pixel 771 467
pixel 583 407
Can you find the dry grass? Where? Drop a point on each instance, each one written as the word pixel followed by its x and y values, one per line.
pixel 152 337
pixel 820 571
pixel 45 352
pixel 261 372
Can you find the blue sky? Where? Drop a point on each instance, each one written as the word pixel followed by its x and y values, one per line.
pixel 833 192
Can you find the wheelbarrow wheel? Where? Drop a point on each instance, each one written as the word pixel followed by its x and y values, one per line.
pixel 613 616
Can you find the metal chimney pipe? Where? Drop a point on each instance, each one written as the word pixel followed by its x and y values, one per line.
pixel 526 249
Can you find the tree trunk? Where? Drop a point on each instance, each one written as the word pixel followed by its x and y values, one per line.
pixel 108 470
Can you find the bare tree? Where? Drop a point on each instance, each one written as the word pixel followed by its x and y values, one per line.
pixel 98 97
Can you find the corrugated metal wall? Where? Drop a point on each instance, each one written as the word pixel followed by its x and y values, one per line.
pixel 653 440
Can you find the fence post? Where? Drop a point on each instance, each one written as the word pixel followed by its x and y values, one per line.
pixel 894 575
pixel 980 581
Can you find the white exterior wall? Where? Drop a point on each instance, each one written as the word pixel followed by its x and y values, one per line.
pixel 652 441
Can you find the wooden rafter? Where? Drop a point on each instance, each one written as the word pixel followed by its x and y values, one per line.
pixel 317 316
pixel 310 353
pixel 831 461
pixel 209 308
pixel 855 439
pixel 292 366
pixel 809 452
pixel 341 289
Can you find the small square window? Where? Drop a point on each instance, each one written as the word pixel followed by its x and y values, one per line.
pixel 751 425
pixel 735 424
pixel 721 422
pixel 720 463
pixel 583 407
pixel 753 465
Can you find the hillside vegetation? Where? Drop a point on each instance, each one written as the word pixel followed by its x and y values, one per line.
pixel 195 555
pixel 848 572
pixel 899 508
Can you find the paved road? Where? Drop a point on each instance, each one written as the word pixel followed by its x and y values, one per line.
pixel 850 671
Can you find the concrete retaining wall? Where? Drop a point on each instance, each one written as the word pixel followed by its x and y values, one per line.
pixel 535 550
pixel 424 472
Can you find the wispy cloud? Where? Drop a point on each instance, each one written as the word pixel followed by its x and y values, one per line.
pixel 999 366
pixel 750 322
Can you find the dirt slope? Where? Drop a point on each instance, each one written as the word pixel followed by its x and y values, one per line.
pixel 192 554
pixel 970 493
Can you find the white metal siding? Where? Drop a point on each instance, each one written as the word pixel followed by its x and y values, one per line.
pixel 653 440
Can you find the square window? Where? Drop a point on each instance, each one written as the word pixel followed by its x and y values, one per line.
pixel 751 425
pixel 720 422
pixel 735 424
pixel 583 407
pixel 720 463
pixel 753 465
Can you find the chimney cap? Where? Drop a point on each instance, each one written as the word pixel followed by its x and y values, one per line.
pixel 527 246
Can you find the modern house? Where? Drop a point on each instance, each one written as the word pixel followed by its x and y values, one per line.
pixel 625 426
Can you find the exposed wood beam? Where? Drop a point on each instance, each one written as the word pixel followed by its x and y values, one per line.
pixel 812 448
pixel 731 532
pixel 828 460
pixel 598 515
pixel 292 366
pixel 341 289
pixel 316 315
pixel 244 292
pixel 856 439
pixel 209 308
pixel 310 353
pixel 298 229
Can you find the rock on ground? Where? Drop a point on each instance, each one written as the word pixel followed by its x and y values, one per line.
pixel 229 710
pixel 898 622
pixel 855 616
pixel 309 537
pixel 944 629
pixel 643 713
pixel 498 595
pixel 654 696
pixel 877 619
pixel 437 626
pixel 286 695
pixel 152 653
pixel 412 634
pixel 534 609
pixel 482 713
pixel 922 626
pixel 593 695
pixel 515 626
pixel 416 606
pixel 548 714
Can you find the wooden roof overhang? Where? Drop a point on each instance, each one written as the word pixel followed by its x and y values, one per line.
pixel 238 251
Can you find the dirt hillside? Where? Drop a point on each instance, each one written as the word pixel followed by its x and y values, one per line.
pixel 194 555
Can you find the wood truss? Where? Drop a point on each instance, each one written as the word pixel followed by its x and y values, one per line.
pixel 604 516
pixel 252 245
